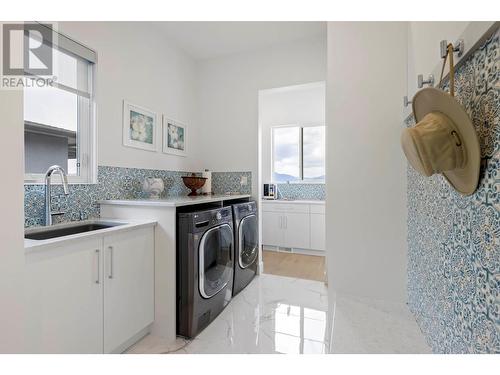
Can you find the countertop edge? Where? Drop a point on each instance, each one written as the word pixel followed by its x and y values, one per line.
pixel 298 201
pixel 171 203
pixel 36 245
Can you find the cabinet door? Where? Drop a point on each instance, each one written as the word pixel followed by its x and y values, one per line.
pixel 272 232
pixel 128 286
pixel 297 230
pixel 318 231
pixel 63 294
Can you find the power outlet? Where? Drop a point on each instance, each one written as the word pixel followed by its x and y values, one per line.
pixel 243 180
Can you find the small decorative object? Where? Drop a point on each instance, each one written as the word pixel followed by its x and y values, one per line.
pixel 444 139
pixel 174 137
pixel 207 188
pixel 194 183
pixel 139 127
pixel 153 186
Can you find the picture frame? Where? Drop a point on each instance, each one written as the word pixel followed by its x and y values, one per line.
pixel 140 127
pixel 175 137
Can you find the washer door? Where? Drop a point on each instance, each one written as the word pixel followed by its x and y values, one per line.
pixel 248 241
pixel 216 262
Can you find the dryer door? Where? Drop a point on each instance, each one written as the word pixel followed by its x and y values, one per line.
pixel 216 261
pixel 248 236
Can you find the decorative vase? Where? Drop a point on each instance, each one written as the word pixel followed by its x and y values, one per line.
pixel 194 183
pixel 153 186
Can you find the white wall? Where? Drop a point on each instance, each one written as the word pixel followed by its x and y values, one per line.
pixel 228 99
pixel 366 169
pixel 135 62
pixel 300 105
pixel 11 228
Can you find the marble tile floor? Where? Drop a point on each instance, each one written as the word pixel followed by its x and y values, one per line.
pixel 369 326
pixel 277 314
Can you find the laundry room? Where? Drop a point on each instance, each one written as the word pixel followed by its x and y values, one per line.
pixel 253 187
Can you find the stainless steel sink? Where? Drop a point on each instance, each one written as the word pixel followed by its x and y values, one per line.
pixel 46 233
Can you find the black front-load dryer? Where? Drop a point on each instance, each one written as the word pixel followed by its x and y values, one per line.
pixel 204 267
pixel 246 244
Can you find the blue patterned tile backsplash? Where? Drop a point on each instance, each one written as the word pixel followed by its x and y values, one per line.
pixel 453 240
pixel 302 191
pixel 116 183
pixel 230 182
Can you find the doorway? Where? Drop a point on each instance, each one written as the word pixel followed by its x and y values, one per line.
pixel 292 180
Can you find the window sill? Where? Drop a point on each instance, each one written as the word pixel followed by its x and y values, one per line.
pixel 57 181
pixel 299 183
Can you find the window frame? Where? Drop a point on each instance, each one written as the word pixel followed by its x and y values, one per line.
pixel 301 127
pixel 86 140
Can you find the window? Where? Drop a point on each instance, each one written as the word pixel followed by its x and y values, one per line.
pixel 298 154
pixel 59 125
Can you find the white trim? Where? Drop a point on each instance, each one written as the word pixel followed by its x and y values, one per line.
pixel 298 87
pixel 167 150
pixel 127 107
pixel 68 44
pixel 300 182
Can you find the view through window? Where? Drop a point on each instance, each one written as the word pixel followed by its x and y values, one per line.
pixel 298 154
pixel 58 118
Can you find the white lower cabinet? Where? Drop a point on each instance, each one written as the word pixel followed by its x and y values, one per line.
pixel 318 226
pixel 293 225
pixel 63 294
pixel 90 295
pixel 128 286
pixel 272 232
pixel 296 231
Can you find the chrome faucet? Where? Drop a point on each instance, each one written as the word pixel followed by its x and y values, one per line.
pixel 64 179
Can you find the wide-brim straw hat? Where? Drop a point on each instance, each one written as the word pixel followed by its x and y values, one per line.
pixel 443 140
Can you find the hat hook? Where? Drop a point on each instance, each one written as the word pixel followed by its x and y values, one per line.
pixel 447 51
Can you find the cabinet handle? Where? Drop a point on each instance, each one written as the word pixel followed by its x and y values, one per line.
pixel 110 275
pixel 286 222
pixel 98 253
pixel 281 222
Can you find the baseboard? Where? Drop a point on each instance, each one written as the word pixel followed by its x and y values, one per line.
pixel 260 269
pixel 319 253
pixel 133 340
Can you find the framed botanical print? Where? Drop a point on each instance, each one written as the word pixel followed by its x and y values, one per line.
pixel 174 137
pixel 139 127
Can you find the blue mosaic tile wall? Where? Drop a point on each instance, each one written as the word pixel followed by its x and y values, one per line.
pixel 115 183
pixel 454 241
pixel 230 182
pixel 302 191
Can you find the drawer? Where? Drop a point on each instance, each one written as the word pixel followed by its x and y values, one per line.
pixel 318 209
pixel 285 207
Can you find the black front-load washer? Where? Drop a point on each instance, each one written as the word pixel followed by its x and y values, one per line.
pixel 204 267
pixel 246 244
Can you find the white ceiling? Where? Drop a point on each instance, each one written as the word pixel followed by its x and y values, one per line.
pixel 205 40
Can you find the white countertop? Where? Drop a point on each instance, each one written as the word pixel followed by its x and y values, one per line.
pixel 121 225
pixel 175 201
pixel 299 201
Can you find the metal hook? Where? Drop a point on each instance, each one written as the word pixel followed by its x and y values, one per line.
pixel 459 47
pixel 429 81
pixel 406 102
